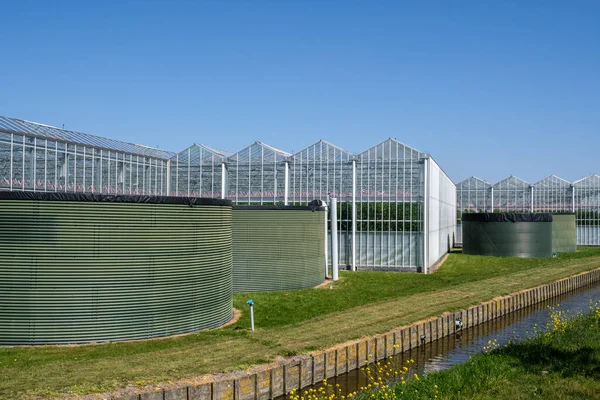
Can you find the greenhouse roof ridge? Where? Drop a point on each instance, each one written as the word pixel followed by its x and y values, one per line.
pixel 279 154
pixel 396 142
pixel 282 152
pixel 218 153
pixel 541 181
pixel 320 144
pixel 384 149
pixel 550 177
pixel 48 132
pixel 482 180
pixel 587 178
pixel 333 145
pixel 473 177
pixel 224 153
pixel 512 176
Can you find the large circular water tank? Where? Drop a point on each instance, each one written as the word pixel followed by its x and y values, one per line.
pixel 277 247
pixel 507 234
pixel 77 268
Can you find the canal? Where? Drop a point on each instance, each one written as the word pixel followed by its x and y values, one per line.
pixel 457 348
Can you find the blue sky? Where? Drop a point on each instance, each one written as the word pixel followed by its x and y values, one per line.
pixel 489 88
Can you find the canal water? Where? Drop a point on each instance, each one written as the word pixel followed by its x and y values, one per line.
pixel 457 348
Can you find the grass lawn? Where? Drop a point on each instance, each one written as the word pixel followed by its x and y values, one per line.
pixel 288 322
pixel 563 363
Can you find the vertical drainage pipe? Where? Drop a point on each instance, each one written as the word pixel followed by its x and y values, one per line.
pixel 426 180
pixel 531 189
pixel 326 247
pixel 353 215
pixel 167 191
pixel 223 180
pixel 286 186
pixel 334 242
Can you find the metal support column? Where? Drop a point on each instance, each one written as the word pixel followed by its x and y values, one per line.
pixel 426 216
pixel 223 179
pixel 353 260
pixel 168 188
pixel 492 193
pixel 286 186
pixel 334 241
pixel 531 190
pixel 326 247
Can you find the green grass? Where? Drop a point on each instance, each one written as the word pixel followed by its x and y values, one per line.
pixel 554 365
pixel 274 309
pixel 288 322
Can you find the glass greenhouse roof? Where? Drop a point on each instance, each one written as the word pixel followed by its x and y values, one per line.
pixel 323 151
pixel 21 127
pixel 511 183
pixel 473 183
pixel 259 151
pixel 590 182
pixel 204 150
pixel 391 149
pixel 552 182
pixel 220 152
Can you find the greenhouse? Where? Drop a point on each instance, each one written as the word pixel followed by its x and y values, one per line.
pixel 197 172
pixel 43 158
pixel 396 206
pixel 551 194
pixel 586 204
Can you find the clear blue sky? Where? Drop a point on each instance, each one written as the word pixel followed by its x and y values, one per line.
pixel 489 88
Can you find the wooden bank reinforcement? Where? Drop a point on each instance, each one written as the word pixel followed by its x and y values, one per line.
pixel 279 378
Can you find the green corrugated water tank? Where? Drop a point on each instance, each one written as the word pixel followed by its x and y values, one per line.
pixel 78 268
pixel 564 233
pixel 508 234
pixel 278 247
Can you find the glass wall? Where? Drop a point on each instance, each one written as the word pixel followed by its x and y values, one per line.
pixel 587 210
pixel 441 214
pixel 320 171
pixel 390 206
pixel 256 175
pixel 512 195
pixel 474 195
pixel 197 172
pixel 382 200
pixel 552 194
pixel 39 164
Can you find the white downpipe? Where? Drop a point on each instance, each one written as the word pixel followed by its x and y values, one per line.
pixel 531 188
pixel 492 189
pixel 334 242
pixel 354 215
pixel 286 185
pixel 223 179
pixel 168 188
pixel 426 218
pixel 326 243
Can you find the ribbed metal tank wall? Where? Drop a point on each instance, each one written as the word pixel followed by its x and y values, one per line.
pixel 564 233
pixel 508 234
pixel 277 248
pixel 86 268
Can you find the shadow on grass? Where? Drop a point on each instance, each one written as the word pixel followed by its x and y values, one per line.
pixel 539 357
